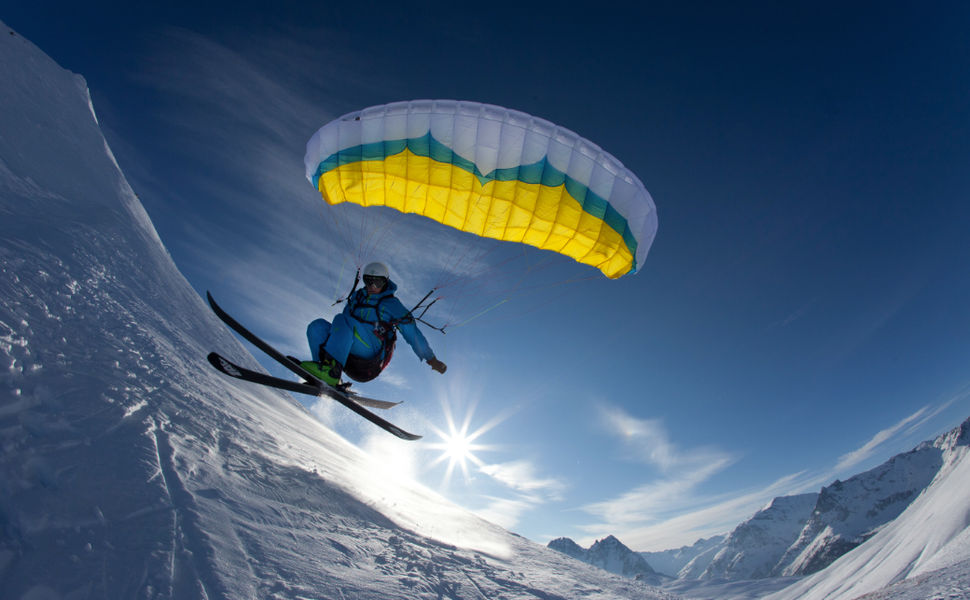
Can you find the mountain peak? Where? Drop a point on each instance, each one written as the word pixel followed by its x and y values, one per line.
pixel 568 547
pixel 609 554
pixel 609 541
pixel 959 436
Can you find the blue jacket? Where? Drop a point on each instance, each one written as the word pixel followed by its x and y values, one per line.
pixel 364 308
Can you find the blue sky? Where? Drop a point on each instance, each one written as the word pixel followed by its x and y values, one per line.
pixel 802 315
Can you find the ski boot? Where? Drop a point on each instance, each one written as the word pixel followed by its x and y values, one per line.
pixel 327 370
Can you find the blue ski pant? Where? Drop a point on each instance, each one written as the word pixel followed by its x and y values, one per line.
pixel 341 338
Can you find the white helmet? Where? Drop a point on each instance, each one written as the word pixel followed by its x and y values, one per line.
pixel 376 269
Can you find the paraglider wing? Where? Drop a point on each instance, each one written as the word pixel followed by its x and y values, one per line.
pixel 489 171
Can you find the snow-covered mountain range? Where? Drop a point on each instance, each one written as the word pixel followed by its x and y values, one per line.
pixel 925 550
pixel 131 469
pixel 751 551
pixel 909 515
pixel 847 513
pixel 803 534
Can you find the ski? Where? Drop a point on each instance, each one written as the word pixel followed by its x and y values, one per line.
pixel 340 396
pixel 233 370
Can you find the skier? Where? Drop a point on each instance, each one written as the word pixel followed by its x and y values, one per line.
pixel 361 339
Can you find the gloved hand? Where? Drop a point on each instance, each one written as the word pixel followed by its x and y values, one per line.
pixel 437 365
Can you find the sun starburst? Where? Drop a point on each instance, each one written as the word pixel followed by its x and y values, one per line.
pixel 459 444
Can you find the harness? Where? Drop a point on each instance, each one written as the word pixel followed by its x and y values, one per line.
pixel 385 330
pixel 366 369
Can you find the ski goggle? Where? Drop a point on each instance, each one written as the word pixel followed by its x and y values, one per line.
pixel 375 281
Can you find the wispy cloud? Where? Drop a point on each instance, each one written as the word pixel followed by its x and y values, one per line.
pixel 649 442
pixel 864 452
pixel 243 201
pixel 681 472
pixel 907 426
pixel 521 476
pixel 651 502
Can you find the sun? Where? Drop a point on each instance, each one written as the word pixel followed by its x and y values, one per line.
pixel 458 447
pixel 458 444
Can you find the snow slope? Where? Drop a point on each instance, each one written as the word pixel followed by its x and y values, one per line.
pixel 131 469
